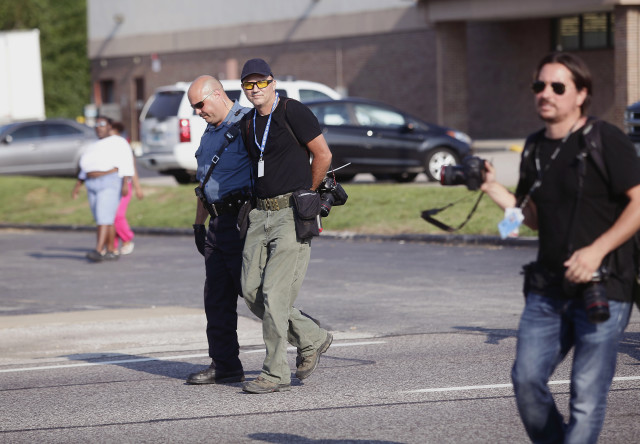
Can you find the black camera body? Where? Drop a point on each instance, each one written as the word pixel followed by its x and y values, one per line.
pixel 594 296
pixel 331 194
pixel 471 172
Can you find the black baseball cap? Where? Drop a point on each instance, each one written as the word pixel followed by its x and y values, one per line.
pixel 255 66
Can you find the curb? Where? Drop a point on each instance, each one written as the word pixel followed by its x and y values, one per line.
pixel 449 239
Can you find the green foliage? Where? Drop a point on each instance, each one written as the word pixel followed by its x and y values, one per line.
pixel 371 208
pixel 63 46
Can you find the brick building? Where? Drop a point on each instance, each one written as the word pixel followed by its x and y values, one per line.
pixel 461 63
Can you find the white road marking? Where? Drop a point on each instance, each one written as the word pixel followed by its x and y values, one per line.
pixel 162 358
pixel 501 386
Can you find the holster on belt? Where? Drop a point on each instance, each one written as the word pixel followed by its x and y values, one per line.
pixel 229 204
pixel 205 203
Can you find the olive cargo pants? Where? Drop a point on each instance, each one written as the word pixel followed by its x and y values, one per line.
pixel 274 264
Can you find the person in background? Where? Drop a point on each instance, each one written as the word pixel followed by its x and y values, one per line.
pixel 124 234
pixel 104 167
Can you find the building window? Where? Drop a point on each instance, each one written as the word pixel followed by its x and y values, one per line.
pixel 106 91
pixel 585 31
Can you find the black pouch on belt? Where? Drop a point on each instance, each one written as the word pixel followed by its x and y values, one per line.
pixel 307 209
pixel 243 216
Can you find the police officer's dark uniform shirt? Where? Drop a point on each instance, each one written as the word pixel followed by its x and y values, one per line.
pixel 233 172
pixel 286 163
pixel 601 203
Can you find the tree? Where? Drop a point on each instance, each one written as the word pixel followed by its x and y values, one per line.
pixel 63 46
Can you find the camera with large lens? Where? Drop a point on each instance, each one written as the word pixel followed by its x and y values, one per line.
pixel 331 194
pixel 471 172
pixel 593 295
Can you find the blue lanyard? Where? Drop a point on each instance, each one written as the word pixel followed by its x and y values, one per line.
pixel 266 128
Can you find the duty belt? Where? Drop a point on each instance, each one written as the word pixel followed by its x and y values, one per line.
pixel 221 208
pixel 275 203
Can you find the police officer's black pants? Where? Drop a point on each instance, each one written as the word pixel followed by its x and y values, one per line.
pixel 223 263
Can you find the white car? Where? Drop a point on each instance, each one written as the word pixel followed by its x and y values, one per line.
pixel 170 130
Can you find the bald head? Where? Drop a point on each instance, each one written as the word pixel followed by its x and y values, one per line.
pixel 204 85
pixel 208 99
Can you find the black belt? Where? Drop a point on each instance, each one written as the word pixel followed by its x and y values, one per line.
pixel 221 208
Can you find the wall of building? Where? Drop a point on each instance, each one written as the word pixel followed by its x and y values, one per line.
pixel 502 57
pixel 398 64
pixel 396 68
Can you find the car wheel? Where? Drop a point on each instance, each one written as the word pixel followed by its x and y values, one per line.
pixel 184 178
pixel 437 158
pixel 404 177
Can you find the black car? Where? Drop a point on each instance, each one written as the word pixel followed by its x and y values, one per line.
pixel 632 124
pixel 379 139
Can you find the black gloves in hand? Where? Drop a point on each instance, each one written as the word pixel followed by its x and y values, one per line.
pixel 200 234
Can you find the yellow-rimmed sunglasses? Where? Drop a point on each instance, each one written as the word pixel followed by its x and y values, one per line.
pixel 260 84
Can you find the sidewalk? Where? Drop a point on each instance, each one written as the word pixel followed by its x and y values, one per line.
pixel 483 145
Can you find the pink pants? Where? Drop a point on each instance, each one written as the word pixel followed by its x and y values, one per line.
pixel 123 230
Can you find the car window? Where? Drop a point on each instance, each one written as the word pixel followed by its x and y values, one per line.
pixel 331 114
pixel 60 129
pixel 27 132
pixel 282 92
pixel 312 94
pixel 369 115
pixel 165 104
pixel 418 125
pixel 233 95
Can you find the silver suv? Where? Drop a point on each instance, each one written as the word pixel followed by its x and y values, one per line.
pixel 43 147
pixel 170 131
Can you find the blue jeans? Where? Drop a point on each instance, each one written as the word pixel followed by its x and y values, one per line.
pixel 549 328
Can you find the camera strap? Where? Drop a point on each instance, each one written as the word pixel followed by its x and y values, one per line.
pixel 539 170
pixel 428 215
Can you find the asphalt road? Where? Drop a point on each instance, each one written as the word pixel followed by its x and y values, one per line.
pixel 424 341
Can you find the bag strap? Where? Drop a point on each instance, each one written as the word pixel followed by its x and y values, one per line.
pixel 288 125
pixel 229 136
pixel 592 141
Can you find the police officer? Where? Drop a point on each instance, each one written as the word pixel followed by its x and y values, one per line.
pixel 221 245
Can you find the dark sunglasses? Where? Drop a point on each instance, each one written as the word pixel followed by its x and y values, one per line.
pixel 538 86
pixel 260 84
pixel 200 104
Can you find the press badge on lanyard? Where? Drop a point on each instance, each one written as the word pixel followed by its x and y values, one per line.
pixel 264 136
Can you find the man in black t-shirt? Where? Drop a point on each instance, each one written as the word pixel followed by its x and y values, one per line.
pixel 586 207
pixel 280 135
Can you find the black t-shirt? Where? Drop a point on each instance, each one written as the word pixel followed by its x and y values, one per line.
pixel 602 201
pixel 286 162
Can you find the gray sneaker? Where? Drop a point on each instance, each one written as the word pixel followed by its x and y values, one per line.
pixel 95 256
pixel 307 364
pixel 110 256
pixel 261 385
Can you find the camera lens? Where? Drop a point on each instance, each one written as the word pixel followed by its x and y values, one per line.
pixel 326 202
pixel 452 175
pixel 595 302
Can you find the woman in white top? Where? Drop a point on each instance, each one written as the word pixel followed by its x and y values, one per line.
pixel 104 167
